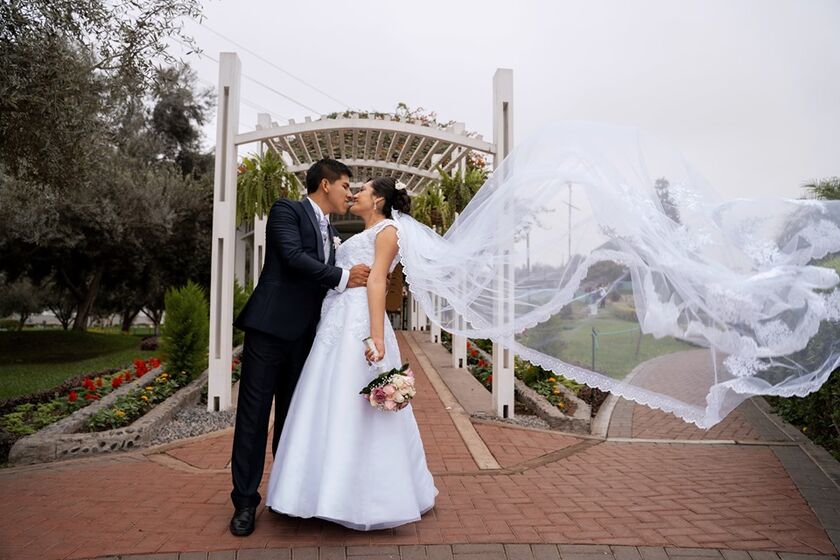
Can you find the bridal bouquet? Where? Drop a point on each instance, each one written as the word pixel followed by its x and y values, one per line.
pixel 391 390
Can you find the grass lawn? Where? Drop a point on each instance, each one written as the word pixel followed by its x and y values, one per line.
pixel 616 353
pixel 33 360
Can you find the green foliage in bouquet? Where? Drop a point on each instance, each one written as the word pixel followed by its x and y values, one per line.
pixel 382 379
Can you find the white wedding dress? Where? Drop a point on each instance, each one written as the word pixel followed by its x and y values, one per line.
pixel 338 458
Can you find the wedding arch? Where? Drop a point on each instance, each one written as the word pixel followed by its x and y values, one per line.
pixel 370 145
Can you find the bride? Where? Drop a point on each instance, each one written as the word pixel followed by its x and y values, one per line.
pixel 338 458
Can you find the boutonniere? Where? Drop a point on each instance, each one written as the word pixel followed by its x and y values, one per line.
pixel 336 242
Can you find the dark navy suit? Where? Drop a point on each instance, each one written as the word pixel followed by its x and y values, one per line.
pixel 279 321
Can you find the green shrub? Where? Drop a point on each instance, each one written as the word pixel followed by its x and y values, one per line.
pixel 817 414
pixel 624 312
pixel 9 325
pixel 184 338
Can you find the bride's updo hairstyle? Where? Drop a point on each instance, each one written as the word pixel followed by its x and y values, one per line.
pixel 395 199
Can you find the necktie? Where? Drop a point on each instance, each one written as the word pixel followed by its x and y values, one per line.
pixel 324 225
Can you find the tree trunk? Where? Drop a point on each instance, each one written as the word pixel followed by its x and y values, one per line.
pixel 156 316
pixel 127 318
pixel 85 306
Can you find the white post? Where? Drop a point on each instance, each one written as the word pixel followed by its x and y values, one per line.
pixel 459 342
pixel 239 255
pixel 422 320
pixel 260 222
pixel 259 247
pixel 503 361
pixel 435 328
pixel 224 232
pixel 412 312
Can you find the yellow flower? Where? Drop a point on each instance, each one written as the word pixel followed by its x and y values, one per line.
pixel 805 429
pixel 144 398
pixel 552 379
pixel 150 388
pixel 556 390
pixel 119 413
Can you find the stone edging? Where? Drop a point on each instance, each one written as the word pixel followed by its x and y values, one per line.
pixel 62 440
pixel 578 422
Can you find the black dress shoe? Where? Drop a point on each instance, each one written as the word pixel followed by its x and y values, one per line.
pixel 243 521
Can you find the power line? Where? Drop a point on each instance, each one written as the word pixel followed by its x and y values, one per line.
pixel 250 103
pixel 256 81
pixel 272 64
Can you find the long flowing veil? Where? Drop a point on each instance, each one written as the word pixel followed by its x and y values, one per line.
pixel 596 252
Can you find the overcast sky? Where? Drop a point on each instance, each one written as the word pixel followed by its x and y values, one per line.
pixel 749 90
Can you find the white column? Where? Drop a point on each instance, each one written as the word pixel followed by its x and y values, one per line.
pixel 459 343
pixel 412 312
pixel 503 394
pixel 259 246
pixel 239 254
pixel 435 328
pixel 260 222
pixel 224 232
pixel 422 320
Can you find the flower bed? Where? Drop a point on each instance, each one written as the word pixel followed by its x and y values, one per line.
pixel 561 402
pixel 137 402
pixel 28 418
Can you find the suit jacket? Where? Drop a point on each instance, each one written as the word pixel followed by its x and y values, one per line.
pixel 287 300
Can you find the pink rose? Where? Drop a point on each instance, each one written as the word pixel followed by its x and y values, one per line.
pixel 390 405
pixel 378 395
pixel 409 373
pixel 389 390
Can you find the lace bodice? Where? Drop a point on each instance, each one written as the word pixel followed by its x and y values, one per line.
pixel 360 249
pixel 348 310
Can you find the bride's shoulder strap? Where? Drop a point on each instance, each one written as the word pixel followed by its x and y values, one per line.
pixel 383 224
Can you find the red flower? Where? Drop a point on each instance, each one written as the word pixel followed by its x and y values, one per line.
pixel 474 353
pixel 154 363
pixel 127 374
pixel 140 368
pixel 90 396
pixel 482 363
pixel 490 378
pixel 72 396
pixel 88 384
pixel 116 382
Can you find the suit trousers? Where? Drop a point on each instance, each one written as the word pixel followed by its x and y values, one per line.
pixel 270 371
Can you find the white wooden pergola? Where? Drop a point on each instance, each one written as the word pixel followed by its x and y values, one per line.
pixel 409 151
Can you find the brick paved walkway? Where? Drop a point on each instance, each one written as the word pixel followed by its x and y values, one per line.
pixel 626 500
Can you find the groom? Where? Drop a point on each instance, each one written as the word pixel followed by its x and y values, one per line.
pixel 279 321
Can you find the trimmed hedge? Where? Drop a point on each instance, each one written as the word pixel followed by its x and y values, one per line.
pixel 184 339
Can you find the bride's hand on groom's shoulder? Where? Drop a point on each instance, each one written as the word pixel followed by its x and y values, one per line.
pixel 358 276
pixel 380 351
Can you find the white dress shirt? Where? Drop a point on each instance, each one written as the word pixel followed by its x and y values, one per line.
pixel 325 237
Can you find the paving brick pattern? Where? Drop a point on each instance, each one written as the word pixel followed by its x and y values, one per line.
pixel 628 500
pixel 512 446
pixel 484 552
pixel 649 423
pixel 207 453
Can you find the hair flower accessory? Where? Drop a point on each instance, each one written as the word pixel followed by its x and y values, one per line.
pixel 400 186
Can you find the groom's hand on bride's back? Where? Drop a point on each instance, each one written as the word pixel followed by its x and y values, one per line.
pixel 358 276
